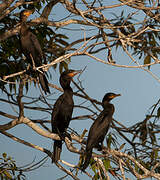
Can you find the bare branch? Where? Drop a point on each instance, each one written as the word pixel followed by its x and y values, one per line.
pixel 26 143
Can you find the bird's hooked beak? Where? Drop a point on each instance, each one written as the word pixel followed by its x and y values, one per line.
pixel 72 74
pixel 114 95
pixel 28 13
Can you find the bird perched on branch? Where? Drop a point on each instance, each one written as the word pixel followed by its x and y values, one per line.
pixel 62 112
pixel 99 128
pixel 32 49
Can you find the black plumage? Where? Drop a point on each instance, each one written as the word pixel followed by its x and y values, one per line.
pixel 32 49
pixel 62 112
pixel 99 128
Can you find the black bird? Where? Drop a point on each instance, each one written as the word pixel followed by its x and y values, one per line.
pixel 32 49
pixel 99 128
pixel 62 112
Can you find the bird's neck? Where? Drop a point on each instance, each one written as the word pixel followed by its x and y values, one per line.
pixel 108 107
pixel 67 88
pixel 66 84
pixel 105 104
pixel 24 28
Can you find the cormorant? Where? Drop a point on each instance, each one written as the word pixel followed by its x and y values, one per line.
pixel 62 112
pixel 32 49
pixel 99 128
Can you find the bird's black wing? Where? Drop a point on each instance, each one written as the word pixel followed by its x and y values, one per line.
pixel 62 112
pixel 31 47
pixel 96 134
pixel 57 147
pixel 33 52
pixel 61 116
pixel 36 50
pixel 98 129
pixel 55 112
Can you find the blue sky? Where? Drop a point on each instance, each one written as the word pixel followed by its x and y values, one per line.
pixel 139 92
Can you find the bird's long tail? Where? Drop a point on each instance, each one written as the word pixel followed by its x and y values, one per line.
pixel 57 148
pixel 88 156
pixel 44 83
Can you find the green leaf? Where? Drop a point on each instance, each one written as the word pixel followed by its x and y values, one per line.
pixel 147 60
pixel 156 154
pixel 4 155
pixel 7 174
pixel 60 68
pixel 122 146
pixel 143 132
pixel 158 112
pixel 83 133
pixel 62 42
pixel 65 65
pixel 81 160
pixel 1 175
pixel 26 86
pixel 136 167
pixel 61 36
pixel 93 165
pixel 152 135
pixel 107 164
pixel 96 176
pixel 109 141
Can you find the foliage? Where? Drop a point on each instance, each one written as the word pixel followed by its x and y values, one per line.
pixel 99 32
pixel 9 169
pixel 11 57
